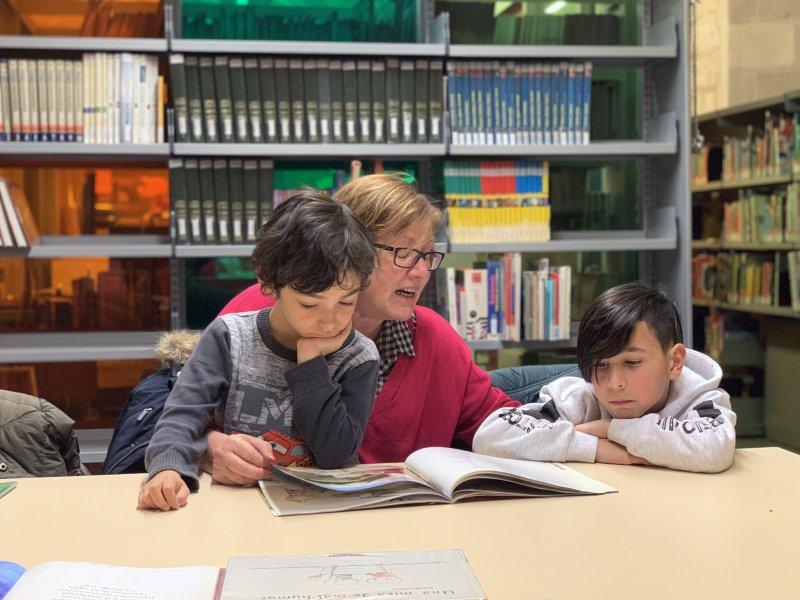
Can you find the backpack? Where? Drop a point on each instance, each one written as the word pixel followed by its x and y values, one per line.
pixel 137 422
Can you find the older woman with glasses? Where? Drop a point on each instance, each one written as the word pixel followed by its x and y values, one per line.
pixel 429 392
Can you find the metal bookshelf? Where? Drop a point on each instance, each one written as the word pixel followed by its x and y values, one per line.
pixel 76 43
pixel 716 186
pixel 772 311
pixel 663 242
pixel 114 246
pixel 76 347
pixel 81 151
pixel 312 150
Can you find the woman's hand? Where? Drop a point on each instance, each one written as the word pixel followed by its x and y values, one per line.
pixel 238 458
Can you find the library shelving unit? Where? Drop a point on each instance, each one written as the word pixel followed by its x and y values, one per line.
pixel 764 337
pixel 661 154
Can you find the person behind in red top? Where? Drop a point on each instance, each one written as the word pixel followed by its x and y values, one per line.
pixel 430 391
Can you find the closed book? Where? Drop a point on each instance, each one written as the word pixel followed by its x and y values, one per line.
pixel 126 98
pixel 364 102
pixel 222 200
pixel 180 103
pixel 5 91
pixel 194 100
pixel 378 101
pixel 311 95
pixel 350 91
pixel 33 90
pixel 21 68
pixel 421 100
pixel 52 97
pixel 324 90
pixel 222 85
pixel 179 200
pixel 239 93
pixel 265 190
pixel 297 100
pixel 269 106
pixel 16 108
pixel 23 213
pixel 251 77
pixel 11 232
pixel 194 200
pixel 436 99
pixel 250 188
pixel 207 205
pixel 407 100
pixel 2 113
pixel 337 101
pixel 77 98
pixel 236 183
pixel 209 95
pixel 283 100
pixel 392 100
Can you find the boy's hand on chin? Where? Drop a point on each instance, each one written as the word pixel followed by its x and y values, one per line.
pixel 310 348
pixel 598 429
pixel 614 454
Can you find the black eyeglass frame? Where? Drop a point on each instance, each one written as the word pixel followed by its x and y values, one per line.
pixel 423 255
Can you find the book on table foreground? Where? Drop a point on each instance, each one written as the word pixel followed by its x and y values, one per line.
pixel 412 575
pixel 429 475
pixel 6 486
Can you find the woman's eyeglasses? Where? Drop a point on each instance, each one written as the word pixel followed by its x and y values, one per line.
pixel 408 257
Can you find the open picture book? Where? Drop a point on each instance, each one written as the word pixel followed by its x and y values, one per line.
pixel 412 575
pixel 429 475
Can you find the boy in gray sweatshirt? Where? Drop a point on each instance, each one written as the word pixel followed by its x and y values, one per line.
pixel 644 398
pixel 296 374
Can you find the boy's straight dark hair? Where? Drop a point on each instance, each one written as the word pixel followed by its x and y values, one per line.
pixel 311 243
pixel 607 327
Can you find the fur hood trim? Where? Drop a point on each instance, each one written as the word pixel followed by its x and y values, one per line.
pixel 176 347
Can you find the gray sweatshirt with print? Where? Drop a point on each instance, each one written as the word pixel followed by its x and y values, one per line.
pixel 241 379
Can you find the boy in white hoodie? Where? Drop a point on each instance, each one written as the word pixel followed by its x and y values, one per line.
pixel 644 398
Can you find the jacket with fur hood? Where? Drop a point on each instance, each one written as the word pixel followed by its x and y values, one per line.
pixel 36 438
pixel 138 417
pixel 693 432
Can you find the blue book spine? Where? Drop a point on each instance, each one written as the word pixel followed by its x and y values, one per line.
pixel 548 323
pixel 533 96
pixel 547 126
pixel 510 113
pixel 563 81
pixel 488 101
pixel 587 100
pixel 525 114
pixel 496 102
pixel 571 104
pixel 479 104
pixel 465 98
pixel 516 129
pixel 494 317
pixel 578 108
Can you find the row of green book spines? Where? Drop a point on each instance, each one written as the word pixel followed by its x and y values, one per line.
pixel 566 29
pixel 262 23
pixel 518 102
pixel 220 201
pixel 296 100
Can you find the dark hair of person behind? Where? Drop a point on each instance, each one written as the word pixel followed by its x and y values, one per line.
pixel 607 326
pixel 311 243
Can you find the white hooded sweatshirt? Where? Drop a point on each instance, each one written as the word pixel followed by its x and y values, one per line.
pixel 693 432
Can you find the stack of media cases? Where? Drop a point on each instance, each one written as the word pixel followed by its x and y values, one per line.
pixel 219 201
pixel 230 99
pixel 104 98
pixel 519 103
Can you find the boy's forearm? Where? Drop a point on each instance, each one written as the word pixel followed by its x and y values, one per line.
pixel 332 416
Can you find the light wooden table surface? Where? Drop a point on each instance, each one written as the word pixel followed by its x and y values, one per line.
pixel 666 534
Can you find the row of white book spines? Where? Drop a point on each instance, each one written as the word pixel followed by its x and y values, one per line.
pixel 502 303
pixel 61 101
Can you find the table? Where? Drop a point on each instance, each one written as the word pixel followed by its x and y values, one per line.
pixel 666 534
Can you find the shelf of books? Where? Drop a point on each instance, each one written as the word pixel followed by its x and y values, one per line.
pixel 134 182
pixel 746 237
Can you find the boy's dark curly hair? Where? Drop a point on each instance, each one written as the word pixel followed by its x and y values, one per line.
pixel 310 243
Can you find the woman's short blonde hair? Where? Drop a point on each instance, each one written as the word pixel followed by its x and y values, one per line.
pixel 386 204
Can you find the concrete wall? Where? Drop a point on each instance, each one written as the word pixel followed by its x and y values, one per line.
pixel 746 50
